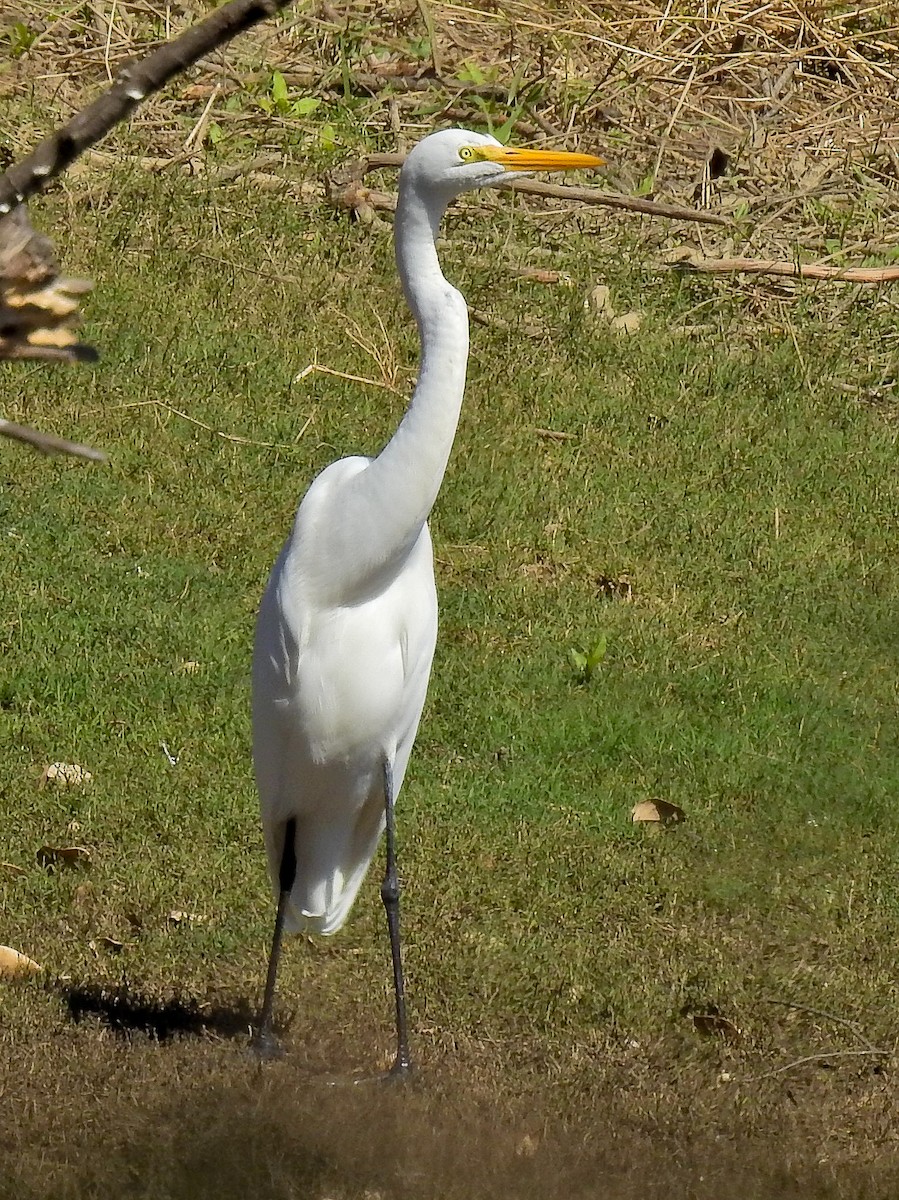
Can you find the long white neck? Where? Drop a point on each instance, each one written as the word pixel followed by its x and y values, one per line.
pixel 379 512
pixel 412 464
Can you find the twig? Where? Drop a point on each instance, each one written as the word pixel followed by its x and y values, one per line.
pixel 317 369
pixel 228 437
pixel 48 443
pixel 357 169
pixel 556 435
pixel 799 1062
pixel 819 1012
pixel 763 266
pixel 651 208
pixel 132 85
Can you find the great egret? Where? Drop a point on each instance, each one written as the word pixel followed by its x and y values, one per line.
pixel 347 627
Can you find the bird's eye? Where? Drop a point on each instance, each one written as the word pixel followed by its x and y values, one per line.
pixel 466 153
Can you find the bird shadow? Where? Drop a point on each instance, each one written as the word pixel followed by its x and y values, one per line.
pixel 127 1011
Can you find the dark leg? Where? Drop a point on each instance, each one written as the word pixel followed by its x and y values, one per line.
pixel 390 894
pixel 265 1044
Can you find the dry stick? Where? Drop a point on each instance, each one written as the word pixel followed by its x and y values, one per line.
pixel 47 442
pixel 132 85
pixel 652 208
pixel 809 1058
pixel 761 266
pixel 561 191
pixel 228 437
pixel 62 147
pixel 820 1012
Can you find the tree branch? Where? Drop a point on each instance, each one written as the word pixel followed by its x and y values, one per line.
pixel 133 84
pixel 794 270
pixel 350 175
pixel 48 442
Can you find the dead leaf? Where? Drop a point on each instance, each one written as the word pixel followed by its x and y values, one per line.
pixel 83 895
pixel 64 856
pixel 189 666
pixel 64 775
pixel 12 868
pixel 542 275
pixel 657 813
pixel 684 253
pixel 198 91
pixel 113 945
pixel 611 587
pixel 712 1024
pixel 14 965
pixel 628 323
pixel 599 302
pixel 527 1147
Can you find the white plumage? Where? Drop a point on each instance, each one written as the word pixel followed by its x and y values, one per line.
pixel 348 624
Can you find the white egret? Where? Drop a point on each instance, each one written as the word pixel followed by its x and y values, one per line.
pixel 347 627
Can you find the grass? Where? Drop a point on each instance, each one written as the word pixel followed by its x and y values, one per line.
pixel 555 951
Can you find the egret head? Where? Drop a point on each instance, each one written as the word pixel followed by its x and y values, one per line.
pixel 457 160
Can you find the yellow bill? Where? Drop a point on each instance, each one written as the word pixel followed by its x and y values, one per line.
pixel 514 158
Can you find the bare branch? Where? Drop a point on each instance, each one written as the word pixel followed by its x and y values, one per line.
pixel 132 85
pixel 356 170
pixel 827 1056
pixel 583 195
pixel 794 270
pixel 38 307
pixel 47 442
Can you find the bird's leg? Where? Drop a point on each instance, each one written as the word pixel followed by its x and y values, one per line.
pixel 265 1044
pixel 390 894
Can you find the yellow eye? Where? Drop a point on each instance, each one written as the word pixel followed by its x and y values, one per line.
pixel 466 153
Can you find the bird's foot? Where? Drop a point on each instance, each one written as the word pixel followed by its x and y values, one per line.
pixel 401 1071
pixel 265 1047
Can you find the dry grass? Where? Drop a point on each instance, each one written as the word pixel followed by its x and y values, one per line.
pixel 126 1116
pixel 782 115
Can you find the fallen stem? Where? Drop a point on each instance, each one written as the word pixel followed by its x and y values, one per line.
pixel 317 369
pixel 829 1016
pixel 808 1058
pixel 554 191
pixel 48 443
pixel 228 437
pixel 794 270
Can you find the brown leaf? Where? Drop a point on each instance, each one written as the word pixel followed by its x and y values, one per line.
pixel 64 775
pixel 14 965
pixel 599 302
pixel 113 945
pixel 629 322
pixel 657 812
pixel 528 1146
pixel 712 1024
pixel 64 856
pixel 83 895
pixel 12 868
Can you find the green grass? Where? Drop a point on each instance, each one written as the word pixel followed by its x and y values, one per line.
pixel 751 677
